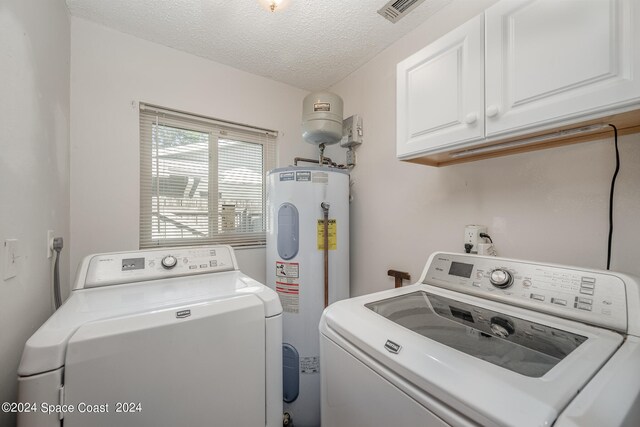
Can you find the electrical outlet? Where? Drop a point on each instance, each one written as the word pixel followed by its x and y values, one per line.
pixel 50 236
pixel 472 237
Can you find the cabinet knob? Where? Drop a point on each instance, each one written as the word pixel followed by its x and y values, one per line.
pixel 492 110
pixel 471 118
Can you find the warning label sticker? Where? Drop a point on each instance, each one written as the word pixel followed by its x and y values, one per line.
pixel 332 235
pixel 309 365
pixel 289 293
pixel 287 269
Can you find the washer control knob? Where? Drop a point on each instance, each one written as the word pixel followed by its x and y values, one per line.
pixel 501 278
pixel 502 327
pixel 169 262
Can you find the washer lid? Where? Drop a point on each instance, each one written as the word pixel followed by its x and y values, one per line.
pixel 516 344
pixel 447 353
pixel 46 349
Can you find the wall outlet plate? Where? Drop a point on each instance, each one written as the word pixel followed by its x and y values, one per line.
pixel 50 236
pixel 10 255
pixel 472 236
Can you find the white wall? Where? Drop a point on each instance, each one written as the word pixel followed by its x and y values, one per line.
pixel 549 205
pixel 34 168
pixel 110 73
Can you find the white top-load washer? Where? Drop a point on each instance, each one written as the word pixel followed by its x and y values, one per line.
pixel 166 337
pixel 486 341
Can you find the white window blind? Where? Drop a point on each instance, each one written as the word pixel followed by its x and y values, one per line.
pixel 202 180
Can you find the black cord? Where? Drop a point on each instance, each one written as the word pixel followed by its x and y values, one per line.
pixel 486 236
pixel 57 297
pixel 56 282
pixel 613 186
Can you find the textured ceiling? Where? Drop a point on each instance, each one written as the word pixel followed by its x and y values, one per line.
pixel 311 44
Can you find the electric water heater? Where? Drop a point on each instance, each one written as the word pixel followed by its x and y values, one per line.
pixel 300 201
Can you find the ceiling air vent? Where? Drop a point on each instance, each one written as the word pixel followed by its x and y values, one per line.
pixel 397 9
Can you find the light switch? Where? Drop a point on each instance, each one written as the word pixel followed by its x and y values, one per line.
pixel 10 258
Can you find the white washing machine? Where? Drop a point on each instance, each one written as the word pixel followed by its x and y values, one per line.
pixel 163 337
pixel 486 341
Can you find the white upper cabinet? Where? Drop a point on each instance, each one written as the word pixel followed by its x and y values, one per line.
pixel 440 92
pixel 549 61
pixel 525 68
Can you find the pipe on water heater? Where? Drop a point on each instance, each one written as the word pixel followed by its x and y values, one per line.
pixel 325 216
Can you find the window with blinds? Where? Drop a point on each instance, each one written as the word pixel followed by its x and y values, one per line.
pixel 202 180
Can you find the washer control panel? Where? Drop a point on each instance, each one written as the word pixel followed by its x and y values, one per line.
pixel 127 267
pixel 591 296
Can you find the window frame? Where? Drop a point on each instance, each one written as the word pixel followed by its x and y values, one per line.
pixel 217 130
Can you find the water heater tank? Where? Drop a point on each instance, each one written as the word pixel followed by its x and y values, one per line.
pixel 295 270
pixel 322 118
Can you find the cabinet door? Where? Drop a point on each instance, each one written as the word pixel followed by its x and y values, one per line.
pixel 440 98
pixel 551 61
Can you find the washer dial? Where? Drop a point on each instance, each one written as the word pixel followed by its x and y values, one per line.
pixel 501 278
pixel 169 262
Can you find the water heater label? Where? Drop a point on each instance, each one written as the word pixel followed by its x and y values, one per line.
pixel 309 365
pixel 321 106
pixel 289 292
pixel 303 176
pixel 332 235
pixel 287 269
pixel 286 176
pixel 320 177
